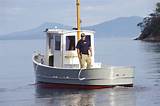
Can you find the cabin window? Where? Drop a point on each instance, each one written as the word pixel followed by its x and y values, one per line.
pixel 50 36
pixel 57 42
pixel 70 43
pixel 88 38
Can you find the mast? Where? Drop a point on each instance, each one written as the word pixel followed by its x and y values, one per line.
pixel 78 19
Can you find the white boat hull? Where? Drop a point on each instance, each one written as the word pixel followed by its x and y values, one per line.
pixel 95 77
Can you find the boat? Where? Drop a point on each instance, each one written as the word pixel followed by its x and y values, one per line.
pixel 59 66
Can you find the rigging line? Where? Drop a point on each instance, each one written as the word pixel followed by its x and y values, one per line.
pixel 79 74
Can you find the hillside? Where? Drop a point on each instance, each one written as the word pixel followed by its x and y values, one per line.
pixel 150 26
pixel 120 27
pixel 35 33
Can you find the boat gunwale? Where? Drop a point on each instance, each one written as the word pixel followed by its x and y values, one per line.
pixel 40 64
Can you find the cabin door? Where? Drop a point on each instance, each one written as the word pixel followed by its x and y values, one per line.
pixel 57 51
pixel 70 58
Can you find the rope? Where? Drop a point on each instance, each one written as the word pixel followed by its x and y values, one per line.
pixel 79 74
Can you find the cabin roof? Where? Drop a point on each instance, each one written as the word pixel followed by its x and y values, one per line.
pixel 63 31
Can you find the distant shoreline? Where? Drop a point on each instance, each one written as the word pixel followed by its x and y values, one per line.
pixel 120 27
pixel 151 38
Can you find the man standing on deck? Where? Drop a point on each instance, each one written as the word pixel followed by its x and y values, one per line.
pixel 84 52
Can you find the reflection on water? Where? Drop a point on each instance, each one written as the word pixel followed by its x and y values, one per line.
pixel 153 63
pixel 151 53
pixel 65 97
pixel 152 47
pixel 70 97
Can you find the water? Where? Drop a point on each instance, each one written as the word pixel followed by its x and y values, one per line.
pixel 17 85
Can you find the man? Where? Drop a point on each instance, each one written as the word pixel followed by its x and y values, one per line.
pixel 84 52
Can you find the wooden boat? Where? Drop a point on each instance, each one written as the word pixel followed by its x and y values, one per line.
pixel 59 66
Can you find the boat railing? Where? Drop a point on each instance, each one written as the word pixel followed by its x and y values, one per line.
pixel 39 58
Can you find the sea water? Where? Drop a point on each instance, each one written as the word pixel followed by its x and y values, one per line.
pixel 17 80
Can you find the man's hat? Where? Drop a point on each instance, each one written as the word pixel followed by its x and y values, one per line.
pixel 82 35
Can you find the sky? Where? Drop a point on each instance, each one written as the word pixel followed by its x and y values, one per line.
pixel 19 15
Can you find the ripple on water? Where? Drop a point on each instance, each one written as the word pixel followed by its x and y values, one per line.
pixel 3 89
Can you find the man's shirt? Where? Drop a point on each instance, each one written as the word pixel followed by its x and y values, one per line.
pixel 83 46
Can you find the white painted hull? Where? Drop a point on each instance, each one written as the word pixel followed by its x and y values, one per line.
pixel 95 77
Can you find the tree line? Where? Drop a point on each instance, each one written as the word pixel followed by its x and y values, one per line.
pixel 150 26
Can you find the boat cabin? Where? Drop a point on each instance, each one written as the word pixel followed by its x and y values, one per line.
pixel 61 47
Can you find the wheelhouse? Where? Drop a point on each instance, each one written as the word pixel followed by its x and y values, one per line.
pixel 61 47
